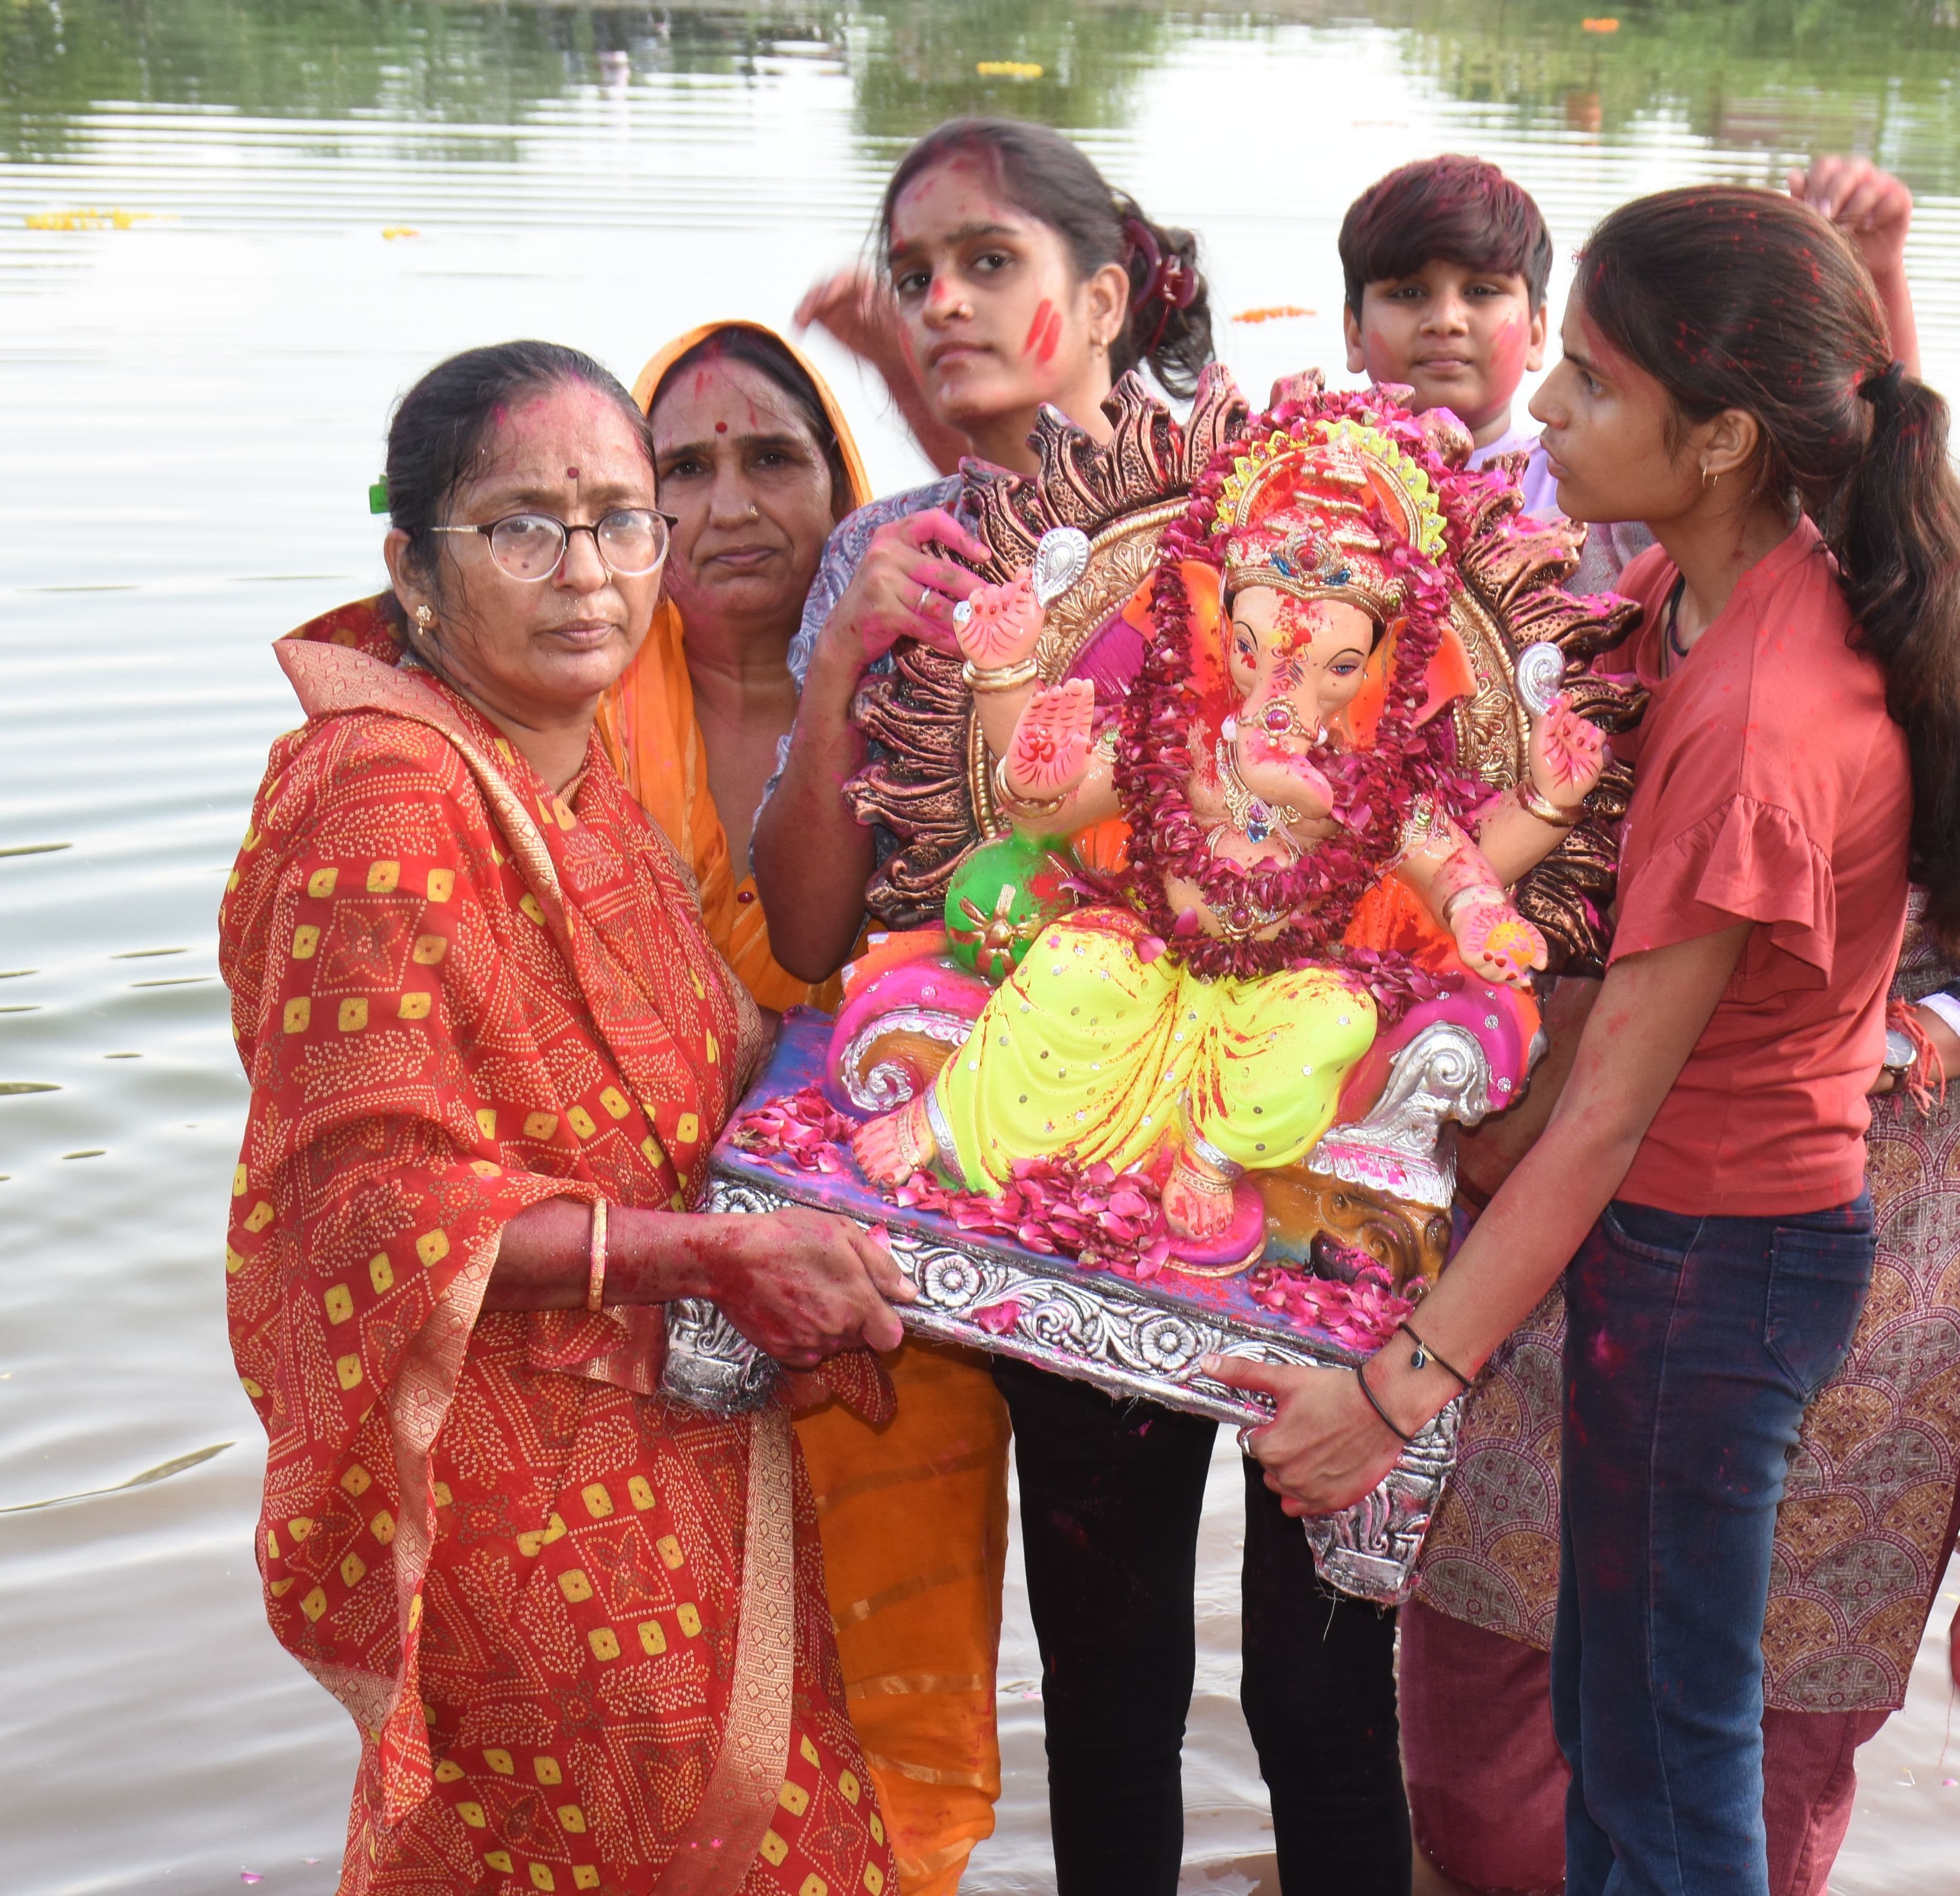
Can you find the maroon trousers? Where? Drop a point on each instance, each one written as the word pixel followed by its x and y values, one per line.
pixel 1487 1783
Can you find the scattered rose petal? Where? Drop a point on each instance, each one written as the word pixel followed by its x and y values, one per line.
pixel 997 1319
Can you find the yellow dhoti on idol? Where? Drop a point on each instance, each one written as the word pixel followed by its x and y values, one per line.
pixel 1089 1050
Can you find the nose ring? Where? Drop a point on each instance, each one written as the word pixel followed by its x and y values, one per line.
pixel 1279 716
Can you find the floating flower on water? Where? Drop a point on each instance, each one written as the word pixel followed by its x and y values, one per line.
pixel 249 1876
pixel 1607 25
pixel 1007 69
pixel 1273 312
pixel 393 231
pixel 87 219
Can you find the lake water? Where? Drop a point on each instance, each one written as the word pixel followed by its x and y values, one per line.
pixel 230 232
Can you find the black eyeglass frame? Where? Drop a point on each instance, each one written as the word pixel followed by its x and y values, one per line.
pixel 566 528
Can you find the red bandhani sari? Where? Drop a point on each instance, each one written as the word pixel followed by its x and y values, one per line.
pixel 582 1629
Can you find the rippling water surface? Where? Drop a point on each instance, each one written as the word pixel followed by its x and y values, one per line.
pixel 230 232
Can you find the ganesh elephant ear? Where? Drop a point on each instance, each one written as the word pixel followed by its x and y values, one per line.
pixel 1203 587
pixel 1448 676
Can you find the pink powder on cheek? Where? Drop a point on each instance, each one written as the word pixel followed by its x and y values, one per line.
pixel 1042 314
pixel 1050 338
pixel 1509 347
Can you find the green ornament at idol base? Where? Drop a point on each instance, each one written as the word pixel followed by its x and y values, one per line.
pixel 1001 897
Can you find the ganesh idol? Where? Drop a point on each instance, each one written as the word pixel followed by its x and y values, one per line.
pixel 1302 860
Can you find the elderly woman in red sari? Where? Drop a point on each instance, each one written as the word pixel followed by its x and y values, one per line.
pixel 582 1629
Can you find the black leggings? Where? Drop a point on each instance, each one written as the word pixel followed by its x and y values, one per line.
pixel 1110 1497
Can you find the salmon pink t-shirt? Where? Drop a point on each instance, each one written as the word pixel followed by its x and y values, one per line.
pixel 1770 785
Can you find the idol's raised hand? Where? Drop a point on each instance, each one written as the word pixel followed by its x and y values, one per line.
pixel 1050 753
pixel 1567 753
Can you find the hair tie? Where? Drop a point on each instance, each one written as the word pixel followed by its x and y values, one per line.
pixel 1884 386
pixel 1169 281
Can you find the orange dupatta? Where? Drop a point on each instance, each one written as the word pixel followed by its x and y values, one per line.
pixel 648 725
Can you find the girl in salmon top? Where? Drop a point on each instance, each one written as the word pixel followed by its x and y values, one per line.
pixel 1728 380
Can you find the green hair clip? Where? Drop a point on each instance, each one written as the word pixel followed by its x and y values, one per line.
pixel 378 496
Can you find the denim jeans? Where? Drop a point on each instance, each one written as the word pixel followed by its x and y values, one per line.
pixel 1111 1494
pixel 1693 1347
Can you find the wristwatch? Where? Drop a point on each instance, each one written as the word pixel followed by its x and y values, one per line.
pixel 1900 1053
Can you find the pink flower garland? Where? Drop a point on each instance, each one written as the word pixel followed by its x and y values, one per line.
pixel 1374 789
pixel 1105 1220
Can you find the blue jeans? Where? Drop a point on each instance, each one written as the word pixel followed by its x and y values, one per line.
pixel 1693 1347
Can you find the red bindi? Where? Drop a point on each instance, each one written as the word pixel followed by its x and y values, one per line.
pixel 721 428
pixel 571 473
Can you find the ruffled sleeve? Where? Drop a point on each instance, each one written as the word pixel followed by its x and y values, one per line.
pixel 1745 861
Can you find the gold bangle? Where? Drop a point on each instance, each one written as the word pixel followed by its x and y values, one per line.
pixel 999 678
pixel 1536 804
pixel 1021 806
pixel 595 1274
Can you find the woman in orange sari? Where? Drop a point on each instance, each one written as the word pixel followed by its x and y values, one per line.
pixel 756 466
pixel 581 1628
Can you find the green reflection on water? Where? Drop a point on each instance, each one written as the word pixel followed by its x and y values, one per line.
pixel 1874 76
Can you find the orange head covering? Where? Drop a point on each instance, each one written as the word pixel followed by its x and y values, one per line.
pixel 647 723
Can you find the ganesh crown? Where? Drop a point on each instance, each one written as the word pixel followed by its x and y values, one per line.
pixel 1324 514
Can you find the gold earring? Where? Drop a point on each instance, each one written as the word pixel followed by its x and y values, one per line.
pixel 424 618
pixel 1708 480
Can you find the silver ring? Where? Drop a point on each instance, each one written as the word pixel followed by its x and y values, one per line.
pixel 925 594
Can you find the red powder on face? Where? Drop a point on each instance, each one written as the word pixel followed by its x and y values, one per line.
pixel 1050 338
pixel 1035 329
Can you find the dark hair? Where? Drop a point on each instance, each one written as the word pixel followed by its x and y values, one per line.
pixel 1747 300
pixel 1041 172
pixel 768 355
pixel 441 426
pixel 1452 208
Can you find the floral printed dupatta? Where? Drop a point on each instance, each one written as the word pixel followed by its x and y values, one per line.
pixel 582 1630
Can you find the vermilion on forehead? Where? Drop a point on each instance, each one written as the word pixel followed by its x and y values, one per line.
pixel 973 198
pixel 726 398
pixel 539 442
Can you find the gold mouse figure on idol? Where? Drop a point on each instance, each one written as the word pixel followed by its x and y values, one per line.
pixel 1301 856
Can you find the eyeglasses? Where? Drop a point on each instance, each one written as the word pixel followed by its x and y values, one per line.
pixel 631 543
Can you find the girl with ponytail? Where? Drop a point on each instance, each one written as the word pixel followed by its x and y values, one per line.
pixel 1728 380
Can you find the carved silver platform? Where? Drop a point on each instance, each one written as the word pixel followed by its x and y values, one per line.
pixel 1129 1339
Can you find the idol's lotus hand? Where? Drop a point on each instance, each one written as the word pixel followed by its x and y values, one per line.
pixel 904 588
pixel 1496 942
pixel 1326 1448
pixel 801 1285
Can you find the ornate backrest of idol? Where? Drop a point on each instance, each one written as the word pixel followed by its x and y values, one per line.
pixel 1090 524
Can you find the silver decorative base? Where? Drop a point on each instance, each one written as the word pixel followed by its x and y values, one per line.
pixel 1126 1338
